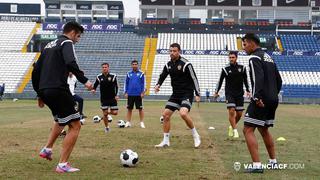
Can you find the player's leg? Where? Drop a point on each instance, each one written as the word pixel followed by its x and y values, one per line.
pixel 184 114
pixel 171 106
pixel 130 103
pixel 139 106
pixel 231 105
pixel 251 122
pixel 239 108
pixel 268 141
pixel 48 97
pixel 167 113
pixel 105 120
pixel 67 115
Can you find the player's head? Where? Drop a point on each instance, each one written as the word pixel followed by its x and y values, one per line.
pixel 134 65
pixel 175 51
pixel 73 31
pixel 250 42
pixel 105 68
pixel 233 56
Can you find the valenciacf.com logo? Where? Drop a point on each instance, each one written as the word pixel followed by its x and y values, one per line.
pixel 237 166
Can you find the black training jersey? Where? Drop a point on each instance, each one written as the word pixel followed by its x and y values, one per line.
pixel 108 86
pixel 264 75
pixel 236 76
pixel 183 78
pixel 54 64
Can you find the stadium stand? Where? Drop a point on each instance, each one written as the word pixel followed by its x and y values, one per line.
pixel 111 42
pixel 199 41
pixel 13 67
pixel 14 35
pixel 300 42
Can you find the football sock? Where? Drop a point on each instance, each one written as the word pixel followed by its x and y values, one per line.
pixel 273 161
pixel 194 132
pixel 166 137
pixel 62 164
pixel 256 165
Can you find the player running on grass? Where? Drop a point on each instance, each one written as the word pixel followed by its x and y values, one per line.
pixel 184 83
pixel 235 75
pixel 108 93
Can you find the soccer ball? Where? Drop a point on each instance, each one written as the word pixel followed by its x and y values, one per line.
pixel 96 119
pixel 121 123
pixel 110 119
pixel 129 158
pixel 161 120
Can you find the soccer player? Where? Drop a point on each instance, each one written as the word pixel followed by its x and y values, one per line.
pixel 49 80
pixel 72 82
pixel 108 93
pixel 266 84
pixel 184 83
pixel 235 75
pixel 134 90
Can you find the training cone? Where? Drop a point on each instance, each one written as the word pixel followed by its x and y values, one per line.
pixel 281 139
pixel 211 128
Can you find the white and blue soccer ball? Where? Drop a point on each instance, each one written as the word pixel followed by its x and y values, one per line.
pixel 129 158
pixel 96 119
pixel 110 118
pixel 121 123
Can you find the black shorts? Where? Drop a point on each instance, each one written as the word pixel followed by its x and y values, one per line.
pixel 260 117
pixel 134 100
pixel 235 102
pixel 111 104
pixel 61 104
pixel 177 102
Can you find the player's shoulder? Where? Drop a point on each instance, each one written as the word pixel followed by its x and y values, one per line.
pixel 63 40
pixel 184 60
pixel 226 66
pixel 99 75
pixel 113 74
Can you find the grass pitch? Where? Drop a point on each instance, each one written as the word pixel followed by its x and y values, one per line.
pixel 24 129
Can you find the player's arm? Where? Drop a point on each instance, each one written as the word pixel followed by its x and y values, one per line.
pixel 36 72
pixel 162 77
pixel 192 74
pixel 257 77
pixel 143 85
pixel 126 85
pixel 219 83
pixel 116 87
pixel 95 85
pixel 70 60
pixel 245 79
pixel 279 79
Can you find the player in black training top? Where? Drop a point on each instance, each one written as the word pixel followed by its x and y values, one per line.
pixel 108 94
pixel 184 84
pixel 266 84
pixel 235 75
pixel 49 80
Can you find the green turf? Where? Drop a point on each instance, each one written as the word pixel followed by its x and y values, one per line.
pixel 24 129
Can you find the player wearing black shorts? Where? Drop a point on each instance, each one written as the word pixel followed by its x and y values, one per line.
pixel 266 84
pixel 49 80
pixel 184 83
pixel 108 93
pixel 235 75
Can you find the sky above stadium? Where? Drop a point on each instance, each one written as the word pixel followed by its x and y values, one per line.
pixel 131 7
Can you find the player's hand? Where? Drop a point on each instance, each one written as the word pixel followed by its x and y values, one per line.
pixel 93 91
pixel 126 95
pixel 142 95
pixel 40 103
pixel 215 95
pixel 198 99
pixel 248 94
pixel 260 103
pixel 89 85
pixel 157 88
pixel 116 98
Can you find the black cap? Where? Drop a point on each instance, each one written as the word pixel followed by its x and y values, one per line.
pixel 252 37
